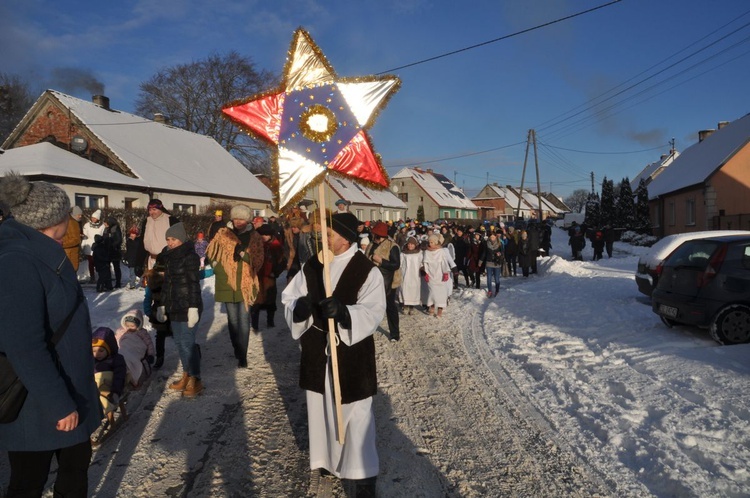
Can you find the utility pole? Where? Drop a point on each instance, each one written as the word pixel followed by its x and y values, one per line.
pixel 529 141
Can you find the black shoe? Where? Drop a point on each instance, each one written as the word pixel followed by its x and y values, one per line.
pixel 158 363
pixel 242 363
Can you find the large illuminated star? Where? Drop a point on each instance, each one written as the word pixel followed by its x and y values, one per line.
pixel 317 121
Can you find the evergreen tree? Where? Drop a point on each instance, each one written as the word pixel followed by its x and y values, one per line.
pixel 608 202
pixel 625 211
pixel 642 217
pixel 593 212
pixel 420 213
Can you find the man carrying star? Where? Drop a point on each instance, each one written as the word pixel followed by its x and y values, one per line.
pixel 357 306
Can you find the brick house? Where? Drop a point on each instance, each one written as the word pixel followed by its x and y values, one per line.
pixel 708 186
pixel 109 158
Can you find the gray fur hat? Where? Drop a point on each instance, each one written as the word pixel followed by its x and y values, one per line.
pixel 36 204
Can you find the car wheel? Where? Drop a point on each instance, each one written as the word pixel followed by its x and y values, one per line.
pixel 732 325
pixel 668 321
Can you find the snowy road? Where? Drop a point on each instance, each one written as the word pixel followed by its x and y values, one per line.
pixel 566 384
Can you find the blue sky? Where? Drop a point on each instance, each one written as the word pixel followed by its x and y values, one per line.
pixel 664 64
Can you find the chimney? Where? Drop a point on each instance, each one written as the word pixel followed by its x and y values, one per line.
pixel 663 157
pixel 704 134
pixel 722 124
pixel 429 170
pixel 101 101
pixel 160 118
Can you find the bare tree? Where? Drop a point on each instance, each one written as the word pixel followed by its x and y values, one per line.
pixel 577 200
pixel 191 97
pixel 15 100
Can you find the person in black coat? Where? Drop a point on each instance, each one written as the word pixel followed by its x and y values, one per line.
pixel 534 233
pixel 182 303
pixel 461 246
pixel 100 252
pixel 511 251
pixel 113 241
pixel 609 239
pixel 577 243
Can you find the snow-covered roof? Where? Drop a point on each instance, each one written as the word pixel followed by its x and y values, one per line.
pixel 47 159
pixel 653 170
pixel 166 157
pixel 360 194
pixel 440 189
pixel 701 160
pixel 533 200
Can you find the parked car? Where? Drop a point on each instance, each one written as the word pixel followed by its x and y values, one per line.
pixel 647 274
pixel 706 283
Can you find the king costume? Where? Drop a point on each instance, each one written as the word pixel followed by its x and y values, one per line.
pixel 358 284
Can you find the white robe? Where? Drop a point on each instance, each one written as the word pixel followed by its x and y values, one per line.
pixel 435 265
pixel 410 291
pixel 358 457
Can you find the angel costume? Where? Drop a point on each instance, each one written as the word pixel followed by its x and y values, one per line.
pixel 362 291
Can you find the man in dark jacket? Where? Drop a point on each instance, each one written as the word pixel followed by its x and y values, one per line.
pixel 39 290
pixel 386 255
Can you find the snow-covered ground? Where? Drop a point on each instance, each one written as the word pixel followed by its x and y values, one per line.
pixel 565 384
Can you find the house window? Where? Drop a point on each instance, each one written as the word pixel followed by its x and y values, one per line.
pixel 671 214
pixel 88 201
pixel 374 214
pixel 360 214
pixel 446 215
pixel 690 212
pixel 403 197
pixel 656 220
pixel 185 208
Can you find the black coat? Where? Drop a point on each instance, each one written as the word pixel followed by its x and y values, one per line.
pixel 113 239
pixel 181 289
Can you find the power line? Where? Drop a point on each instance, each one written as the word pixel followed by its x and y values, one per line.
pixel 606 153
pixel 527 30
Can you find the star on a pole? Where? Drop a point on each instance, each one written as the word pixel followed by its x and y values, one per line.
pixel 317 121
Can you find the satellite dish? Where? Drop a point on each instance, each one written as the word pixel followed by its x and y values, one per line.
pixel 394 188
pixel 78 143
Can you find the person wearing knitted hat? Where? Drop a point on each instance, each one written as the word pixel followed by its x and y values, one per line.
pixel 357 306
pixel 236 255
pixel 92 228
pixel 153 228
pixel 39 293
pixel 181 301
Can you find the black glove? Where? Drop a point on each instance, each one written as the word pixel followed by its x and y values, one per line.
pixel 302 310
pixel 331 307
pixel 237 250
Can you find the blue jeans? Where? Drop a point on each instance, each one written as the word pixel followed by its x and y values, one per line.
pixel 238 319
pixel 190 355
pixel 493 274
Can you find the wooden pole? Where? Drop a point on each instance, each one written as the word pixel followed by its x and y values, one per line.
pixel 331 325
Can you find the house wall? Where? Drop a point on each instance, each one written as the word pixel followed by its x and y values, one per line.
pixel 50 121
pixel 732 184
pixel 679 223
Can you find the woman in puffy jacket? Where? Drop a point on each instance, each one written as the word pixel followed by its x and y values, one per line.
pixel 181 302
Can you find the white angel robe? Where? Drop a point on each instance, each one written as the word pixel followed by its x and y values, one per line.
pixel 411 285
pixel 358 457
pixel 435 264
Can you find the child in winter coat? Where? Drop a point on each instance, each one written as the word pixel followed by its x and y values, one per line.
pixel 135 346
pixel 110 371
pixel 153 280
pixel 101 254
pixel 135 268
pixel 200 247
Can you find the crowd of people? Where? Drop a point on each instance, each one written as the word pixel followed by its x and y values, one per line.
pixel 378 270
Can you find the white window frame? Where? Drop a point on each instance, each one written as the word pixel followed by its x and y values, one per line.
pixel 91 201
pixel 689 212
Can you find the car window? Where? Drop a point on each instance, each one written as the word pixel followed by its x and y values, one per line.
pixel 746 257
pixel 693 254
